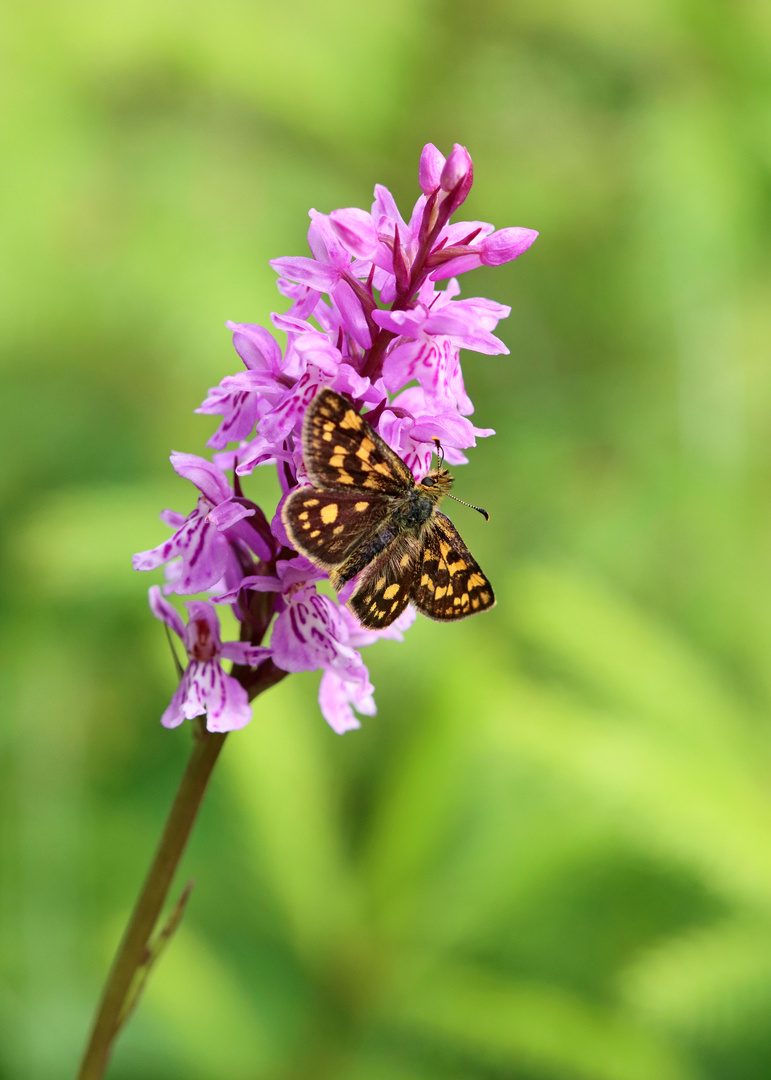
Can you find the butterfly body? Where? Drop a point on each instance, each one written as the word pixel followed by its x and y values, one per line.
pixel 367 515
pixel 407 516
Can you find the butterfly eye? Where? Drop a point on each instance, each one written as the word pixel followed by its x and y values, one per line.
pixel 428 482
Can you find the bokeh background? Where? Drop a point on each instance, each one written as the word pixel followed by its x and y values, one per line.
pixel 549 855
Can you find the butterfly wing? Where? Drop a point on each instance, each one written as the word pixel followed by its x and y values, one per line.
pixel 327 526
pixel 386 585
pixel 450 583
pixel 343 451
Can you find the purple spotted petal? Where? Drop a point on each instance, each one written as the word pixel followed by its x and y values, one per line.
pixel 304 633
pixel 174 713
pixel 435 363
pixel 202 548
pixel 309 634
pixel 172 518
pixel 205 688
pixel 202 634
pixel 241 652
pixel 287 416
pixel 239 409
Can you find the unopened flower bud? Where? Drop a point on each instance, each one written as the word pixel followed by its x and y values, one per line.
pixel 457 176
pixel 505 245
pixel 455 168
pixel 432 161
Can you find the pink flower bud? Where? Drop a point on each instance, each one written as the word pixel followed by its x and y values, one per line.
pixel 432 162
pixel 455 168
pixel 505 245
pixel 457 176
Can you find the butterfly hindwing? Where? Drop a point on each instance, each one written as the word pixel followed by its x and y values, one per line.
pixel 449 583
pixel 342 451
pixel 385 586
pixel 327 526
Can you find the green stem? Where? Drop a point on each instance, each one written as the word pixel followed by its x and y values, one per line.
pixel 134 949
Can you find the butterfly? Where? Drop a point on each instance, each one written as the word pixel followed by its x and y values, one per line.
pixel 365 514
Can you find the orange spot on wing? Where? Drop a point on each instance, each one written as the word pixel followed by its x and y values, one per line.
pixel 329 513
pixel 351 420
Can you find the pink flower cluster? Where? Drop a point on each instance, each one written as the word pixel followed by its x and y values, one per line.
pixel 367 318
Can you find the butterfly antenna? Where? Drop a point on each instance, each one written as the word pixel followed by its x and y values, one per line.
pixel 440 454
pixel 478 509
pixel 439 451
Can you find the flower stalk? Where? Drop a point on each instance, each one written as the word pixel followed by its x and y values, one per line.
pixel 121 991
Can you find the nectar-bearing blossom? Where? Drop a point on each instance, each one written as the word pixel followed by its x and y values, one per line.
pixel 204 687
pixel 375 313
pixel 209 540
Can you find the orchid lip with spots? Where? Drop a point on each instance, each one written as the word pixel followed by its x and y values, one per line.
pixel 375 315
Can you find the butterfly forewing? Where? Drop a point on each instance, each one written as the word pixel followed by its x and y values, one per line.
pixel 342 451
pixel 449 583
pixel 385 586
pixel 327 526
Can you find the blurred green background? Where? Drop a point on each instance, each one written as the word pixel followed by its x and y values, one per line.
pixel 549 855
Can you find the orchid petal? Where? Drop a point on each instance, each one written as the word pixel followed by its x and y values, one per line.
pixel 209 480
pixel 163 610
pixel 307 272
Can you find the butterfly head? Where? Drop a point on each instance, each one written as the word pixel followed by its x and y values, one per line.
pixel 436 484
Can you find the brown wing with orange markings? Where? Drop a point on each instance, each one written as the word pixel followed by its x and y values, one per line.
pixel 327 526
pixel 449 583
pixel 342 451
